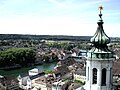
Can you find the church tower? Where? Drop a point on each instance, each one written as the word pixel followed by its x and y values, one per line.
pixel 99 61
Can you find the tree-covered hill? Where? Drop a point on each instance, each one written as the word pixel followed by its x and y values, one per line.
pixel 42 37
pixel 14 56
pixel 46 37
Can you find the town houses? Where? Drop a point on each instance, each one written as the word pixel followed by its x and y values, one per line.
pixel 63 75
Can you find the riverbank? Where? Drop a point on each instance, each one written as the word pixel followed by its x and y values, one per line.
pixel 11 67
pixel 22 70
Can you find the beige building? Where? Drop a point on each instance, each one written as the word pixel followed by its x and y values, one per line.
pixel 80 75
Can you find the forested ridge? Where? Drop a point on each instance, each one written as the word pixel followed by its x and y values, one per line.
pixel 42 37
pixel 46 37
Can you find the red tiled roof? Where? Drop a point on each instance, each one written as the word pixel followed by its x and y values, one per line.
pixel 116 68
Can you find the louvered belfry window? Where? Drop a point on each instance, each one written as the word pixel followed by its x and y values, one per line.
pixel 94 76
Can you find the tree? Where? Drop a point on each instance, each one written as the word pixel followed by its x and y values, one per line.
pixel 13 56
pixel 46 58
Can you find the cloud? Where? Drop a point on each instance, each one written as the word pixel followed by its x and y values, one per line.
pixel 75 4
pixel 90 3
pixel 58 3
pixel 95 2
pixel 113 14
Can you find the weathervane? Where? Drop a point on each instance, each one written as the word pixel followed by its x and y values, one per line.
pixel 100 8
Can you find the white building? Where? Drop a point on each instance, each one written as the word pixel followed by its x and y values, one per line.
pixel 99 61
pixel 34 71
pixel 60 85
pixel 25 82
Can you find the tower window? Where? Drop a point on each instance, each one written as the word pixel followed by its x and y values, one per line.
pixel 97 55
pixel 110 75
pixel 94 76
pixel 103 77
pixel 88 73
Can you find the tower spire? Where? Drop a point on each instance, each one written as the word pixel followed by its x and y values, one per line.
pixel 100 39
pixel 99 61
pixel 100 8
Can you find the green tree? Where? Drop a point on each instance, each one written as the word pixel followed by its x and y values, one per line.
pixel 21 56
pixel 46 58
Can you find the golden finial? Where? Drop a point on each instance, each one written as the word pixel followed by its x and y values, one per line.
pixel 100 7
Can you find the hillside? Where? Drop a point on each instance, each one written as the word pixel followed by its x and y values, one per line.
pixel 46 37
pixel 42 37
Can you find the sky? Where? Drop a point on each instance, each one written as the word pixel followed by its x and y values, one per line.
pixel 58 17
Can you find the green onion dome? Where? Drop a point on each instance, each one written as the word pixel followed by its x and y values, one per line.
pixel 100 38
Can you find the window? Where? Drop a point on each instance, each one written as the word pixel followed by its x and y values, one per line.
pixel 97 55
pixel 110 75
pixel 103 55
pixel 94 76
pixel 103 83
pixel 88 73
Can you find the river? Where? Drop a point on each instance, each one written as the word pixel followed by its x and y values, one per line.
pixel 46 66
pixel 16 72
